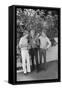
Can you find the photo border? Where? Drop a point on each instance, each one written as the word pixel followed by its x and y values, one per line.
pixel 59 47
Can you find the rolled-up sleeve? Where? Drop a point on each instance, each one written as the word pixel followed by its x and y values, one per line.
pixel 49 42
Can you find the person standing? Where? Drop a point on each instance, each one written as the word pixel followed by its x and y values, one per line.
pixel 45 43
pixel 23 44
pixel 33 50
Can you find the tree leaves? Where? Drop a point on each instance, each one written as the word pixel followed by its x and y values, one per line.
pixel 37 19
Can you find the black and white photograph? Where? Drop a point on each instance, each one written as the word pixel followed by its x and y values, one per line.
pixel 37 44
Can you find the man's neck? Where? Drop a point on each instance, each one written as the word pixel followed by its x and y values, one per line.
pixel 43 36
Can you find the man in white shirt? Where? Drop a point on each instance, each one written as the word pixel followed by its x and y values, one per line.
pixel 23 44
pixel 44 45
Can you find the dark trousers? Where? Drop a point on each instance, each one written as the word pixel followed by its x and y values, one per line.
pixel 34 52
pixel 42 52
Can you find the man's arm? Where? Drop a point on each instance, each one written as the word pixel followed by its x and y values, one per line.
pixel 49 42
pixel 20 43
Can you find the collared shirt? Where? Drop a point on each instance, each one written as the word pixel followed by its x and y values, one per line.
pixel 44 42
pixel 33 42
pixel 23 43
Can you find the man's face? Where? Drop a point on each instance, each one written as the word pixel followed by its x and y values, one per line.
pixel 32 33
pixel 43 34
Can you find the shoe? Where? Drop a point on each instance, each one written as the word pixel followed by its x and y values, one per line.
pixel 32 69
pixel 25 73
pixel 37 69
pixel 29 72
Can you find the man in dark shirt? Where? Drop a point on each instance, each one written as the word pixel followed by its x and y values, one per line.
pixel 34 49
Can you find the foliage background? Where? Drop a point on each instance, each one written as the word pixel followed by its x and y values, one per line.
pixel 37 19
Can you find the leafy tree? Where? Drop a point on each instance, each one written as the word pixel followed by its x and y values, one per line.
pixel 28 19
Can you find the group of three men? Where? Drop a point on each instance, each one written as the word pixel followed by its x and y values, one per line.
pixel 30 44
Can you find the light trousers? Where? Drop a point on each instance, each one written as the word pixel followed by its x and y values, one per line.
pixel 25 61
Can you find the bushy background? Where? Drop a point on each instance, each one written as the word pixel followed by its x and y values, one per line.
pixel 38 19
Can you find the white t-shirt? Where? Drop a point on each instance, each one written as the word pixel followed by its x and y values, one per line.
pixel 44 42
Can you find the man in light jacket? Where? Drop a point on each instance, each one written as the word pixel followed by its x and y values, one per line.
pixel 24 46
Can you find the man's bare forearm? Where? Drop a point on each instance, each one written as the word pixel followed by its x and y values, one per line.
pixel 49 45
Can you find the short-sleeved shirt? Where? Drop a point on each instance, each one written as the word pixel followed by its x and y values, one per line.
pixel 44 42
